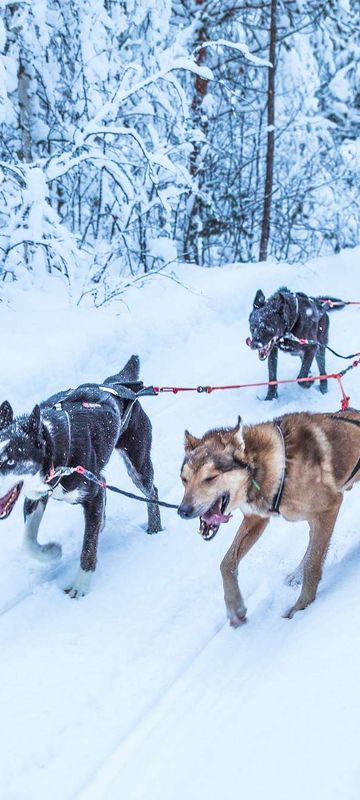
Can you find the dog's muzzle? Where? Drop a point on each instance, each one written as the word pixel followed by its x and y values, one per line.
pixel 262 350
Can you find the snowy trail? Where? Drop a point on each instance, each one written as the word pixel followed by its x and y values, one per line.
pixel 141 690
pixel 203 743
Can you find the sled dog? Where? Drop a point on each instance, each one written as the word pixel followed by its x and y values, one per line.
pixel 298 465
pixel 83 427
pixel 277 323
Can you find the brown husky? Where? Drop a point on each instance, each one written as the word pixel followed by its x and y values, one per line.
pixel 298 466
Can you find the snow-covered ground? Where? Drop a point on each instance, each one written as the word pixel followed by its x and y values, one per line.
pixel 140 690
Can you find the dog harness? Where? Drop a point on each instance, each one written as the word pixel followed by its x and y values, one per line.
pixel 275 505
pixel 278 497
pixel 128 392
pixel 357 465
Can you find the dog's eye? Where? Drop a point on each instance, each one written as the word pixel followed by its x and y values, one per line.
pixel 184 480
pixel 211 478
pixel 10 462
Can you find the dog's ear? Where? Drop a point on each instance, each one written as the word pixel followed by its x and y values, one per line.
pixel 190 442
pixel 32 424
pixel 259 299
pixel 6 414
pixel 238 438
pixel 234 437
pixel 285 298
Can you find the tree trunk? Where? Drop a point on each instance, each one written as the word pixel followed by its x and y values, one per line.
pixel 270 150
pixel 191 247
pixel 24 83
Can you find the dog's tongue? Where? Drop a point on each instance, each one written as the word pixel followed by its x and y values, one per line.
pixel 3 500
pixel 215 519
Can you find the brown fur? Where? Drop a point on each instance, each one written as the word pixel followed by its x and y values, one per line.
pixel 321 452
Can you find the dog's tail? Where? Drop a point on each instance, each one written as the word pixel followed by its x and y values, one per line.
pixel 329 303
pixel 128 374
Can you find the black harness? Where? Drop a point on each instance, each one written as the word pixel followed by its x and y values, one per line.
pixel 357 423
pixel 275 507
pixel 87 394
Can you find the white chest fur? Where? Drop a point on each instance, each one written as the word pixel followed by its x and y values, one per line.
pixel 70 497
pixel 34 488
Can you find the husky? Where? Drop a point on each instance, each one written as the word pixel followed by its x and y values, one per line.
pixel 298 466
pixel 80 427
pixel 281 321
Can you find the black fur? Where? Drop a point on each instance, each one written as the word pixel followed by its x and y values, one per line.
pixel 287 313
pixel 78 434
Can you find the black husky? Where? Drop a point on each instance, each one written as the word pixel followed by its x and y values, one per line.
pixel 71 428
pixel 277 324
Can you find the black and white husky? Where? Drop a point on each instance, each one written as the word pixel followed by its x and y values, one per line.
pixel 71 428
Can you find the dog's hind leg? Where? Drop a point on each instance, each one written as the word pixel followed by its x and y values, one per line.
pixel 307 359
pixel 321 528
pixel 272 392
pixel 323 334
pixel 33 514
pixel 94 508
pixel 135 447
pixel 249 532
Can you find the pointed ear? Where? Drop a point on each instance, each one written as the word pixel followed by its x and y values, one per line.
pixel 259 299
pixel 32 424
pixel 234 437
pixel 190 442
pixel 6 414
pixel 238 438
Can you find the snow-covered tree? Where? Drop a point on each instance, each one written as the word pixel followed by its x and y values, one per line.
pixel 94 132
pixel 134 131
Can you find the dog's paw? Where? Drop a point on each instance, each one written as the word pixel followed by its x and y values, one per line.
pixel 323 387
pixel 52 550
pixel 292 611
pixel 293 579
pixel 236 617
pixel 305 384
pixel 272 396
pixel 44 552
pixel 81 585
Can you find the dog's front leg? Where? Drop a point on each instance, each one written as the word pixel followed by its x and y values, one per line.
pixel 272 391
pixel 307 359
pixel 94 514
pixel 249 532
pixel 321 528
pixel 33 514
pixel 320 360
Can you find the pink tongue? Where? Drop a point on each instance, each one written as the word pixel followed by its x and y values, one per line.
pixel 3 500
pixel 215 519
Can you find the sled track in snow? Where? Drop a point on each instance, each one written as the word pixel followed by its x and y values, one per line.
pixel 100 781
pixel 47 576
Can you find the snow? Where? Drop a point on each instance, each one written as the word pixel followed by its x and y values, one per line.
pixel 241 47
pixel 140 690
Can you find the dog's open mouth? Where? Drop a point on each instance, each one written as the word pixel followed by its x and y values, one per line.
pixel 211 521
pixel 8 501
pixel 263 352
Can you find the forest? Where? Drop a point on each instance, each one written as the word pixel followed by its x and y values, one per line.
pixel 137 133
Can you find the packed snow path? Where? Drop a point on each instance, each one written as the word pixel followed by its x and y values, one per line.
pixel 140 690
